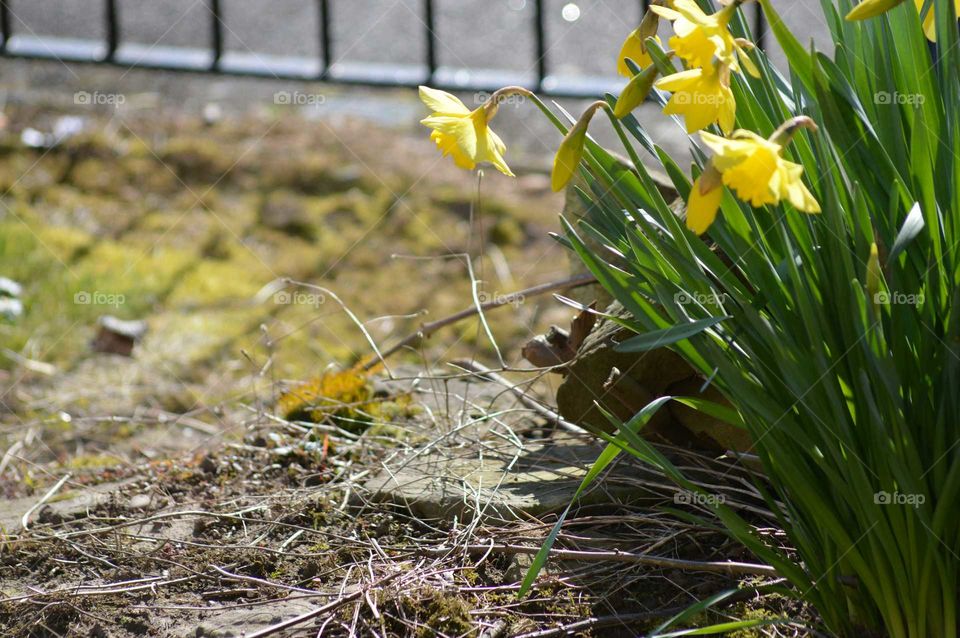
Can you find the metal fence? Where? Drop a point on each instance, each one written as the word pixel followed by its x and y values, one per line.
pixel 112 50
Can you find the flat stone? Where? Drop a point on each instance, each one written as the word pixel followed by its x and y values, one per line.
pixel 504 479
pixel 67 504
pixel 239 621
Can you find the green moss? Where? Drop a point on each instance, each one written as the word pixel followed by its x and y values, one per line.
pixel 507 232
pixel 216 282
pixel 197 159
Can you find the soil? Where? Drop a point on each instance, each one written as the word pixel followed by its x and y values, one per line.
pixel 188 490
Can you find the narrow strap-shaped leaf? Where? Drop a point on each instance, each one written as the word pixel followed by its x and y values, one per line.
pixel 667 336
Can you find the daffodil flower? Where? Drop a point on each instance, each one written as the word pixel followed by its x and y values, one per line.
pixel 700 36
pixel 752 167
pixel 463 134
pixel 702 96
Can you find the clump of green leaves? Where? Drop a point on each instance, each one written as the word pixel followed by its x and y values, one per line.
pixel 835 337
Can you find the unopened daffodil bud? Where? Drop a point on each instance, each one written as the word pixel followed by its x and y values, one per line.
pixel 571 149
pixel 635 92
pixel 871 9
pixel 874 273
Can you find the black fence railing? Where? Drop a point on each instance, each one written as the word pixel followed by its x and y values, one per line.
pixel 113 50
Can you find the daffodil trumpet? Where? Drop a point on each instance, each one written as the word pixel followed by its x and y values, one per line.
pixel 753 168
pixel 702 96
pixel 463 134
pixel 570 151
pixel 701 37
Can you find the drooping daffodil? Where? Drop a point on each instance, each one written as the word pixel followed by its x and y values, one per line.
pixel 702 96
pixel 463 134
pixel 701 37
pixel 753 168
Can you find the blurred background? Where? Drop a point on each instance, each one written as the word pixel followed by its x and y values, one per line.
pixel 154 204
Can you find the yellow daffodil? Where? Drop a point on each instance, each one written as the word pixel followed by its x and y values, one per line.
pixel 702 96
pixel 464 134
pixel 700 36
pixel 568 155
pixel 752 167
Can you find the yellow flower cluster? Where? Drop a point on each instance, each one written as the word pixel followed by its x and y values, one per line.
pixel 749 165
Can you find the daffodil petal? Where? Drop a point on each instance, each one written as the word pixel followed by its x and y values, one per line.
pixel 702 207
pixel 441 101
pixel 490 148
pixel 664 12
pixel 459 128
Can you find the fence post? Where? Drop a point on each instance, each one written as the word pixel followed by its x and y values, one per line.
pixel 540 38
pixel 216 34
pixel 112 29
pixel 326 45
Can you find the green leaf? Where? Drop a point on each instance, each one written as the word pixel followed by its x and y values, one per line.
pixel 667 336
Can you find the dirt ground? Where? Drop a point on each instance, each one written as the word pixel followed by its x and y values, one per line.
pixel 215 483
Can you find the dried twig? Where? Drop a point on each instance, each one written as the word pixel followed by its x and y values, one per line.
pixel 25 521
pixel 329 607
pixel 428 329
pixel 731 568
